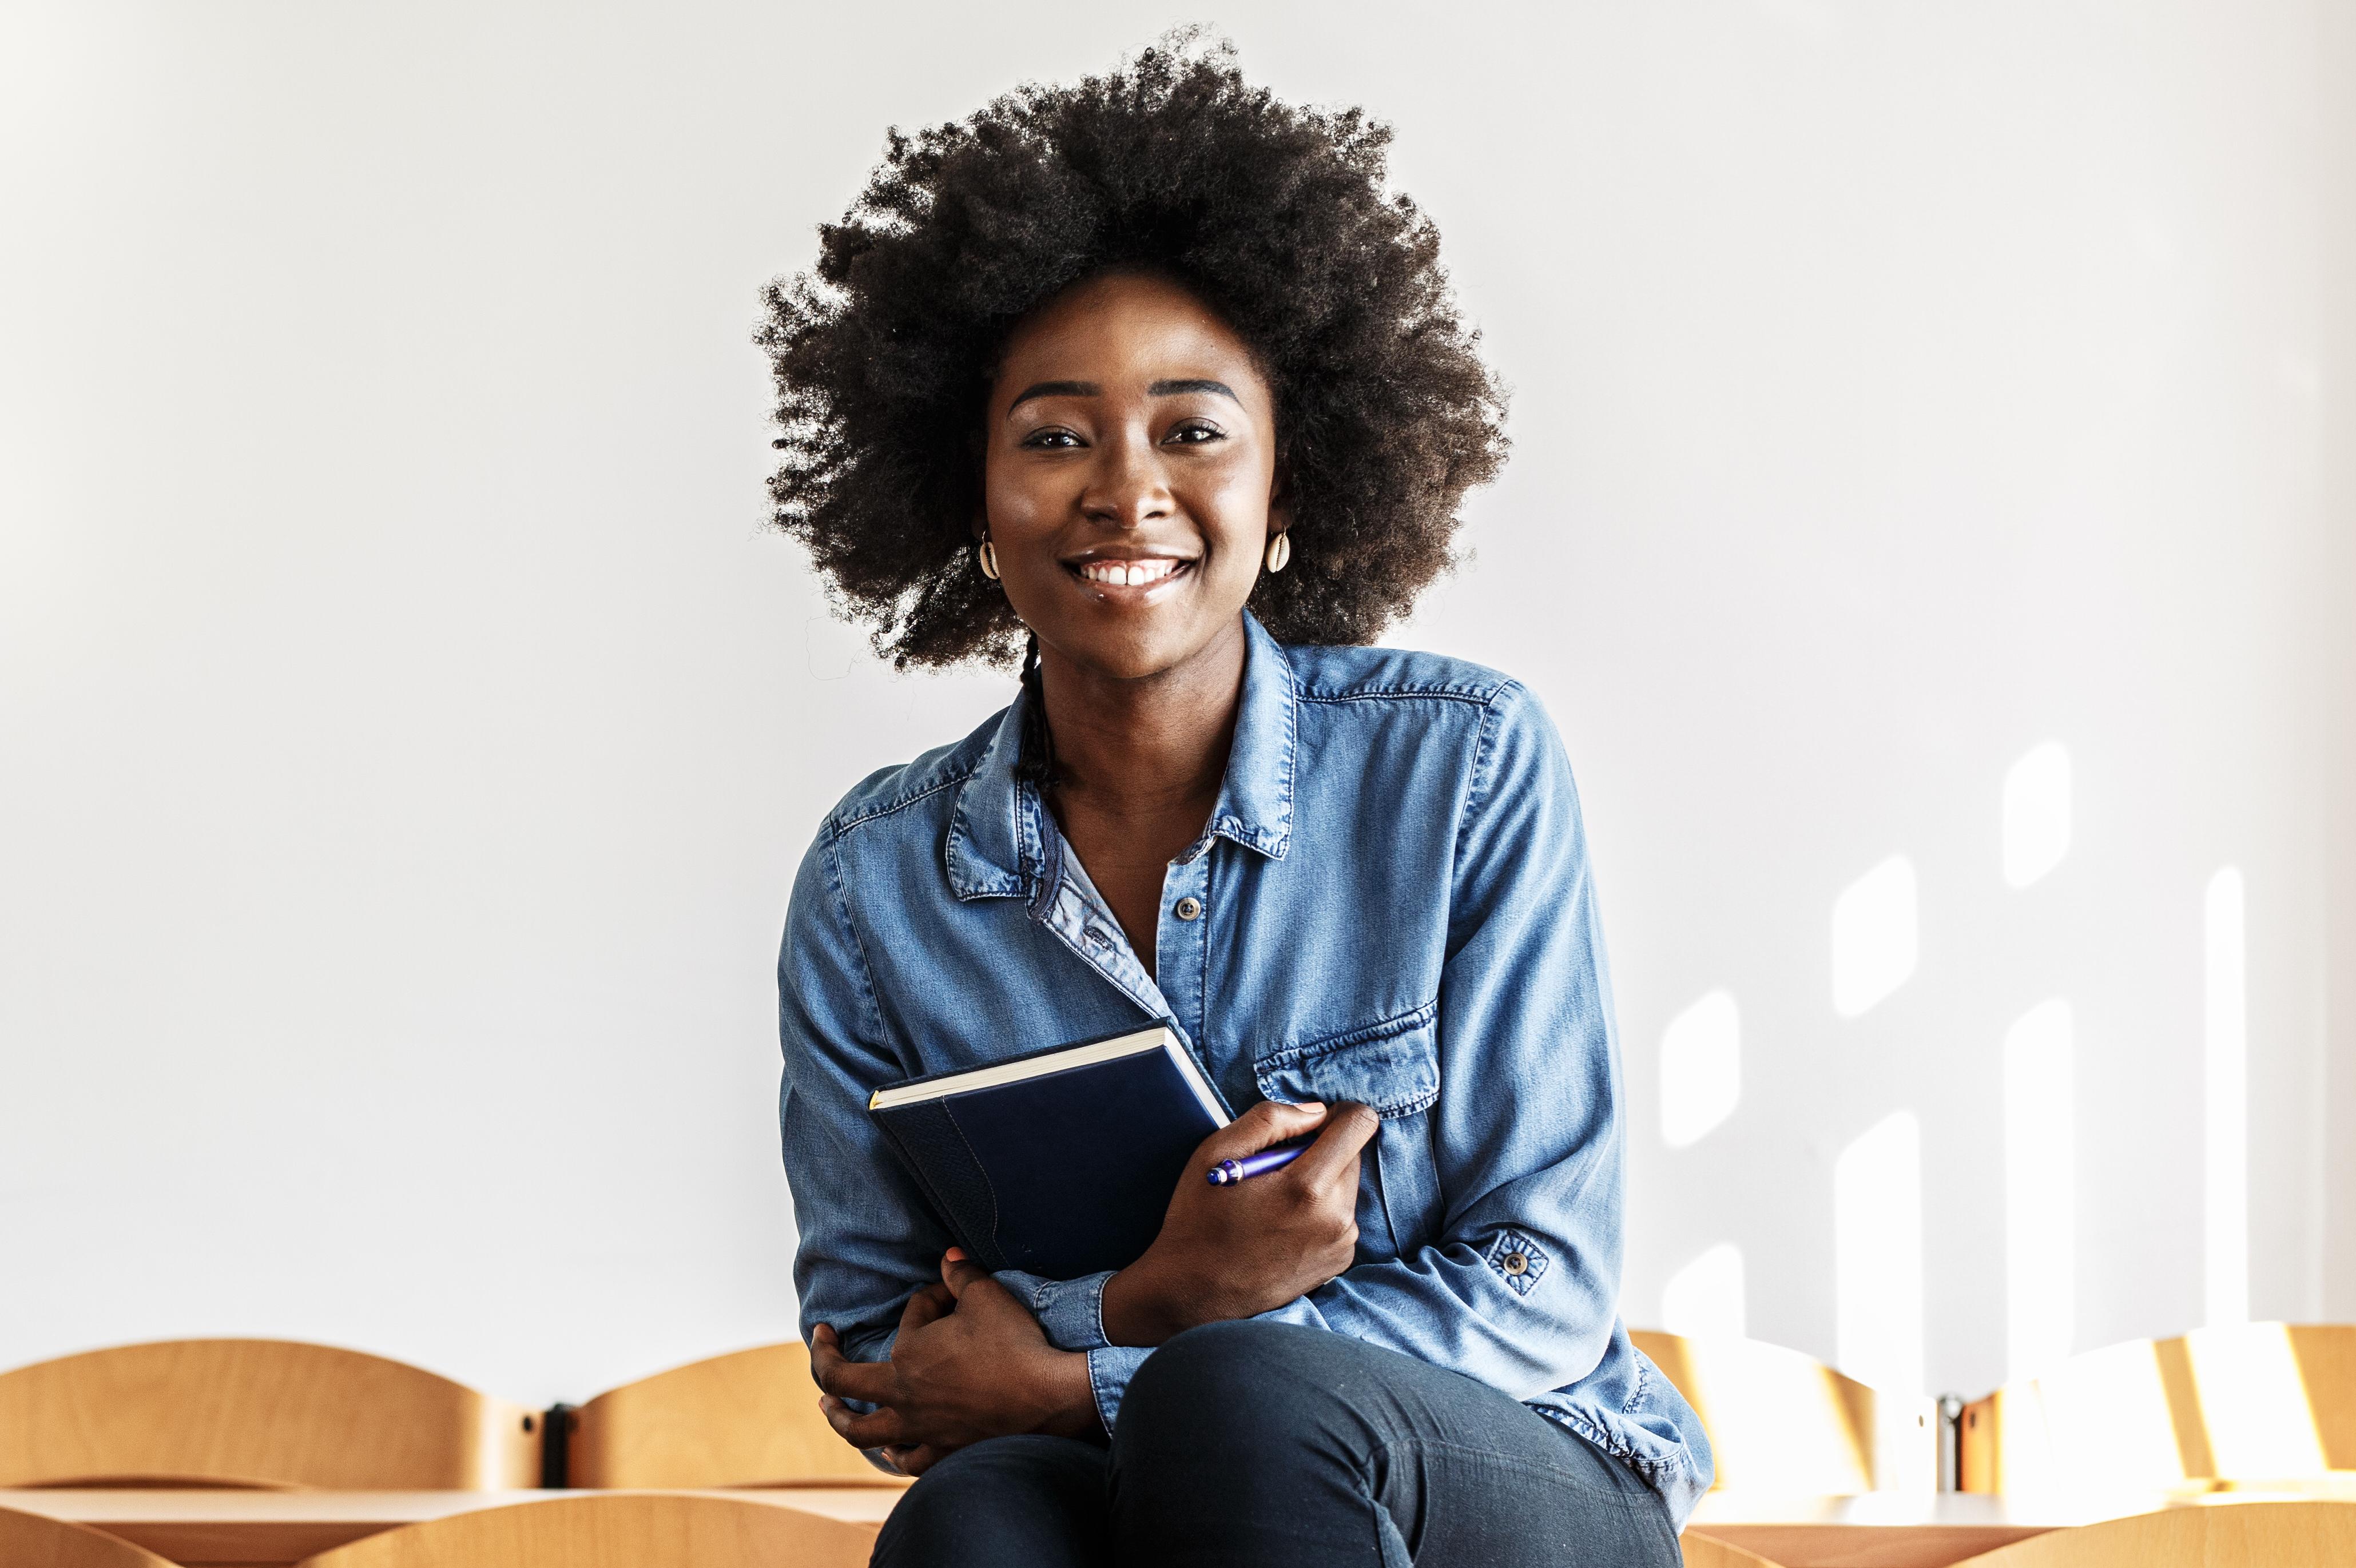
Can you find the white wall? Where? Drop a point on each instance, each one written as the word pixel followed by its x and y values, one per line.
pixel 408 728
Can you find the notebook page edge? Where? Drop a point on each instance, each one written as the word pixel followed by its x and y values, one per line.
pixel 998 1074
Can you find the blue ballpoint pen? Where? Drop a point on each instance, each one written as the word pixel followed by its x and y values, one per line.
pixel 1229 1171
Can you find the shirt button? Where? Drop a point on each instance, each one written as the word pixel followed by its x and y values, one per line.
pixel 1189 908
pixel 1516 1263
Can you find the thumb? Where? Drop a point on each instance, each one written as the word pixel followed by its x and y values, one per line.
pixel 960 1272
pixel 1268 1123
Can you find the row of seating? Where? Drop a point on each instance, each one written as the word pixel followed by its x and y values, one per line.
pixel 2289 1534
pixel 2227 1408
pixel 637 1530
pixel 270 1412
pixel 593 1529
pixel 2252 1402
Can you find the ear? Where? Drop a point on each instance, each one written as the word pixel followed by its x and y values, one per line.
pixel 1280 503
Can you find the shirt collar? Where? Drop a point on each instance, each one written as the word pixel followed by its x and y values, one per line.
pixel 1000 843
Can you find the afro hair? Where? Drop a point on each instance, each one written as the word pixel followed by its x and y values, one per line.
pixel 1276 217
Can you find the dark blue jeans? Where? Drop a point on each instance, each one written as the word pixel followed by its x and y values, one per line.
pixel 1243 1443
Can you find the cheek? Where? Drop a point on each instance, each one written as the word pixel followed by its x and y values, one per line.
pixel 1006 501
pixel 1235 509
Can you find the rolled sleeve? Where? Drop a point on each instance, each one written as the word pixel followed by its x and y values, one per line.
pixel 1070 1311
pixel 1110 1369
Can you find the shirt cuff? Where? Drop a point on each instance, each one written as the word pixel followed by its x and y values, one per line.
pixel 1109 1369
pixel 1070 1311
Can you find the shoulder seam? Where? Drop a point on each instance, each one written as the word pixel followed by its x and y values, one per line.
pixel 1483 750
pixel 1473 696
pixel 836 828
pixel 851 929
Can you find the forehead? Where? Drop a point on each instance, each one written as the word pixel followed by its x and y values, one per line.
pixel 1124 327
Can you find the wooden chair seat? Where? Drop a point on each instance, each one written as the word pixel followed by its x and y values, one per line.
pixel 616 1529
pixel 35 1541
pixel 1705 1552
pixel 2232 1535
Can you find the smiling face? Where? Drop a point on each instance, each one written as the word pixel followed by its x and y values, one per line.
pixel 1129 477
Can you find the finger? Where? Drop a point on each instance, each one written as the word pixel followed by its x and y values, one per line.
pixel 962 1274
pixel 873 1382
pixel 912 1459
pixel 825 1352
pixel 1347 1129
pixel 1269 1122
pixel 927 1305
pixel 880 1428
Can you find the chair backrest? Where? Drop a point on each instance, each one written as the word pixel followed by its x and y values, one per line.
pixel 2247 1402
pixel 2234 1535
pixel 37 1541
pixel 257 1413
pixel 1778 1421
pixel 750 1419
pixel 631 1530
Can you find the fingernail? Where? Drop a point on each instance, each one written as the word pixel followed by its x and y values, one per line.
pixel 957 1254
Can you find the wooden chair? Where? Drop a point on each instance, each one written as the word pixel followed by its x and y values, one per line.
pixel 618 1530
pixel 1705 1552
pixel 2253 1402
pixel 1780 1421
pixel 35 1540
pixel 750 1419
pixel 256 1413
pixel 2234 1535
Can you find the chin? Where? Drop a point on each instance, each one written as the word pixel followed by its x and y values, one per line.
pixel 1135 652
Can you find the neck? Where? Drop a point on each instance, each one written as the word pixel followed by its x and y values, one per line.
pixel 1149 744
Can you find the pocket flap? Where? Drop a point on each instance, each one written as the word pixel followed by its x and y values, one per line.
pixel 1392 1066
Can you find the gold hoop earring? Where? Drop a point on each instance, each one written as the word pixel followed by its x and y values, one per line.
pixel 988 555
pixel 1279 550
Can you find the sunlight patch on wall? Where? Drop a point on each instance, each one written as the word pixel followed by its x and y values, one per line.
pixel 1706 1295
pixel 1878 1255
pixel 2226 1090
pixel 1873 936
pixel 2041 1189
pixel 1701 1068
pixel 2036 813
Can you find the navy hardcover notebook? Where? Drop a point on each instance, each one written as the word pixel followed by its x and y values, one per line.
pixel 1059 1163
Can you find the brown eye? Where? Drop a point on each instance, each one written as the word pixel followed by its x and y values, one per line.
pixel 1195 433
pixel 1051 440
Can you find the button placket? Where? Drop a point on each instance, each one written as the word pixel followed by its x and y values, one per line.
pixel 1182 937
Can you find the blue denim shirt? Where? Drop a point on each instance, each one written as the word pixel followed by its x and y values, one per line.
pixel 1396 909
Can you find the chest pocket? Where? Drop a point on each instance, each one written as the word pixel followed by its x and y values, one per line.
pixel 1392 1068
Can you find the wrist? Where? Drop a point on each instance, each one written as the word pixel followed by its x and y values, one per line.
pixel 1135 1310
pixel 1069 1406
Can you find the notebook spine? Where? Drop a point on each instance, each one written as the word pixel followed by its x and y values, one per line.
pixel 945 1165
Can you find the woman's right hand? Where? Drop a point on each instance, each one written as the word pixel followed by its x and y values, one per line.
pixel 1243 1249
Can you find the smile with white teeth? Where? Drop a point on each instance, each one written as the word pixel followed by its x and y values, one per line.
pixel 1127 573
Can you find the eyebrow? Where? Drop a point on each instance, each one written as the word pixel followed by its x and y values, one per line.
pixel 1055 389
pixel 1091 389
pixel 1170 388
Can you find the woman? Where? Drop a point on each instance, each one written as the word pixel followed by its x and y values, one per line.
pixel 1149 379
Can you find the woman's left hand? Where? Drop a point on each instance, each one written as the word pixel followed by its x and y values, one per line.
pixel 970 1363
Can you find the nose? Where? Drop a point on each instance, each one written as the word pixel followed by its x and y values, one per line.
pixel 1126 486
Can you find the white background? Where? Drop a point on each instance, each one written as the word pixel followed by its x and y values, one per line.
pixel 408 726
